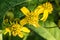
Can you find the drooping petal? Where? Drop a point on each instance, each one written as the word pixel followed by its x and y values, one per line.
pixel 39 10
pixel 25 11
pixel 25 29
pixel 45 15
pixel 20 34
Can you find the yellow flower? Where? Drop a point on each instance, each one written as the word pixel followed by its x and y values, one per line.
pixel 17 29
pixel 31 17
pixel 47 10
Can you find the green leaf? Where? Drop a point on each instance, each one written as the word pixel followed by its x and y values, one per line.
pixel 49 24
pixel 43 32
pixel 47 33
pixel 55 32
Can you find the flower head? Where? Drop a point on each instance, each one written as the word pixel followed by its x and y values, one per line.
pixel 17 29
pixel 30 18
pixel 47 10
pixel 48 6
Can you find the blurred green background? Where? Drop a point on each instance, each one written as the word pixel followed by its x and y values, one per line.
pixel 50 29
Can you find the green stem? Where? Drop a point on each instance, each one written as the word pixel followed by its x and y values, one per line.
pixel 25 38
pixel 9 36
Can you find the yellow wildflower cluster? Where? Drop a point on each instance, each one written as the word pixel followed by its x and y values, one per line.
pixel 17 29
pixel 32 17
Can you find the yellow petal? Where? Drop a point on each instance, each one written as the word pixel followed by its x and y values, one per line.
pixel 48 6
pixel 20 34
pixel 25 11
pixel 24 29
pixel 23 21
pixel 6 31
pixel 14 33
pixel 39 10
pixel 45 15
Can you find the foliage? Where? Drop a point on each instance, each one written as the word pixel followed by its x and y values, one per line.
pixel 48 30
